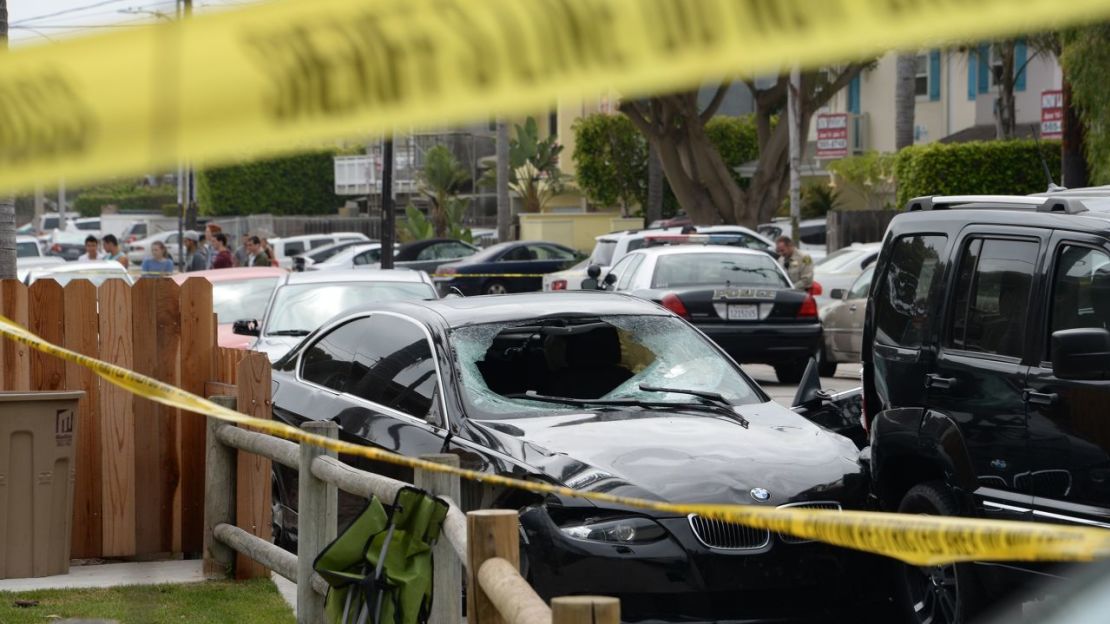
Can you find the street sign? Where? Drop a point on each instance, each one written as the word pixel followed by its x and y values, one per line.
pixel 1052 114
pixel 832 135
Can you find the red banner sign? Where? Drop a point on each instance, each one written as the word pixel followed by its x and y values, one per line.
pixel 1052 114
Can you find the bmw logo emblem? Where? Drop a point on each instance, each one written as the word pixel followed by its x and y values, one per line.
pixel 760 494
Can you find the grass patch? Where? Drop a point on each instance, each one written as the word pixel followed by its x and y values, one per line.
pixel 212 602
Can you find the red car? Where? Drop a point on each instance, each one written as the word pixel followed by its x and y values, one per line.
pixel 241 293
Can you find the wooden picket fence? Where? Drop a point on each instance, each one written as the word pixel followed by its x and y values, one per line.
pixel 140 465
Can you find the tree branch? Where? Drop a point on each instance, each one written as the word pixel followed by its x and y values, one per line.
pixel 635 113
pixel 715 103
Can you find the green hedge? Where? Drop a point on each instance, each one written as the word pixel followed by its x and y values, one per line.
pixel 143 199
pixel 301 184
pixel 985 167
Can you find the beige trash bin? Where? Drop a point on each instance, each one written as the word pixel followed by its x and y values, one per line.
pixel 37 446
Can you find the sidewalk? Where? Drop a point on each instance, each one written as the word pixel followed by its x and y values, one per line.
pixel 112 575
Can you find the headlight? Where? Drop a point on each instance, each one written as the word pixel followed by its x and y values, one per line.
pixel 620 531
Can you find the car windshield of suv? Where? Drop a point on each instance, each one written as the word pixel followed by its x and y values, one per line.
pixel 603 252
pixel 299 309
pixel 27 250
pixel 714 269
pixel 244 299
pixel 605 358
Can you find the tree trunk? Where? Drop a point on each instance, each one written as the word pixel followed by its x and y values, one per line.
pixel 905 100
pixel 504 208
pixel 655 188
pixel 439 215
pixel 1076 173
pixel 7 201
pixel 1005 110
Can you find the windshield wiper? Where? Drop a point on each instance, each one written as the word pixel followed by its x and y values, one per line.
pixel 718 408
pixel 716 399
pixel 289 332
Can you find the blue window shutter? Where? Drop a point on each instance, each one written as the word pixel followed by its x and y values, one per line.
pixel 972 75
pixel 1020 54
pixel 853 95
pixel 934 75
pixel 984 67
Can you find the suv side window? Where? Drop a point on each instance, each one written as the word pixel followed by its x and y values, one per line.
pixel 992 296
pixel 862 285
pixel 1080 288
pixel 901 303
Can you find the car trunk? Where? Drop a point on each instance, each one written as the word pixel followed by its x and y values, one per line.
pixel 739 304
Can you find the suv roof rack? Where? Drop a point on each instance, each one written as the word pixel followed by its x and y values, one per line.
pixel 1053 203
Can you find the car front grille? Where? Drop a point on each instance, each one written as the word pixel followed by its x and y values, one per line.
pixel 722 535
pixel 830 505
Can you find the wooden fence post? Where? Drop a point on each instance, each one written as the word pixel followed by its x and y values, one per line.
pixel 312 513
pixel 489 533
pixel 447 577
pixel 82 334
pixel 219 497
pixel 585 610
pixel 253 511
pixel 117 432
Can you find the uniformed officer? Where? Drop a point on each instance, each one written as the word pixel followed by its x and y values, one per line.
pixel 798 265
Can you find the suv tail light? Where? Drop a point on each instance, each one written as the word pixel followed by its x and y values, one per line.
pixel 808 308
pixel 559 285
pixel 816 289
pixel 674 304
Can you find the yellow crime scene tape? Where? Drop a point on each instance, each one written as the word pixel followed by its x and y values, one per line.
pixel 915 539
pixel 289 74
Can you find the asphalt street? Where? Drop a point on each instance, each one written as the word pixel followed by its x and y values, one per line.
pixel 847 377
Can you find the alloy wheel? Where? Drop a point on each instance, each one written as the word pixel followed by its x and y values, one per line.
pixel 496 288
pixel 934 594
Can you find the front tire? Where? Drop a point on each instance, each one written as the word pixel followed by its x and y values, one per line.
pixel 944 594
pixel 791 372
pixel 495 287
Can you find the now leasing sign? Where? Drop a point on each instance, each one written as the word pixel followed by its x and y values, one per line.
pixel 1052 114
pixel 832 135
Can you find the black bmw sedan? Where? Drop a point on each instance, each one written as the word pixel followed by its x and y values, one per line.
pixel 598 392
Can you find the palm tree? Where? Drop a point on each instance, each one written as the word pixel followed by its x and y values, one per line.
pixel 905 99
pixel 7 202
pixel 441 179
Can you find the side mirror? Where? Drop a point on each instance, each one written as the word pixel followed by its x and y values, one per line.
pixel 838 293
pixel 245 328
pixel 1082 353
pixel 809 394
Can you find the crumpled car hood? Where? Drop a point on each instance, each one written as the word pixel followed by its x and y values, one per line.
pixel 686 457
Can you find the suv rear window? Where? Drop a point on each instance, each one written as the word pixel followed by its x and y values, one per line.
pixel 901 306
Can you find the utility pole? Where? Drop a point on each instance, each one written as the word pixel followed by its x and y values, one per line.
pixel 794 119
pixel 388 217
pixel 504 208
pixel 7 202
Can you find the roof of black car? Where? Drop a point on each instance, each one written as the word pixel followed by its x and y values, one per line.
pixel 460 311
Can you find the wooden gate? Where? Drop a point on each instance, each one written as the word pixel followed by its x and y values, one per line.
pixel 140 465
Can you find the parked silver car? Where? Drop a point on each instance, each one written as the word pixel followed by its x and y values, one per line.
pixel 842 321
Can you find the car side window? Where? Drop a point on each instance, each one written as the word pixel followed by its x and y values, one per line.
pixel 320 242
pixel 901 304
pixel 547 252
pixel 814 235
pixel 382 359
pixel 862 285
pixel 990 310
pixel 294 248
pixel 621 267
pixel 368 257
pixel 516 254
pixel 1080 289
pixel 624 278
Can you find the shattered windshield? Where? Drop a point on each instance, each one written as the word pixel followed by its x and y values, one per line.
pixel 589 358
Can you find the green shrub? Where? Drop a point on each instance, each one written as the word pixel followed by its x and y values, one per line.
pixel 301 184
pixel 986 167
pixel 735 138
pixel 143 199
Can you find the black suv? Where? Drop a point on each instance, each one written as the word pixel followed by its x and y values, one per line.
pixel 986 362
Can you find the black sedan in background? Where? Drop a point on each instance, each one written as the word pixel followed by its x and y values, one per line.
pixel 740 298
pixel 495 270
pixel 597 392
pixel 428 255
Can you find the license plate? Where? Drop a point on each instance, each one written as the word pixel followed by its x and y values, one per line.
pixel 743 312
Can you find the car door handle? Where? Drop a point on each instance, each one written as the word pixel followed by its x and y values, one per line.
pixel 941 383
pixel 1038 398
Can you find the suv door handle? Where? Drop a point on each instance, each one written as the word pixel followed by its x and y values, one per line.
pixel 1038 398
pixel 936 381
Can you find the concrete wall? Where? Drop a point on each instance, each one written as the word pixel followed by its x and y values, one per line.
pixel 574 230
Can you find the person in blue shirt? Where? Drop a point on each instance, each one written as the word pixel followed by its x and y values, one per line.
pixel 158 264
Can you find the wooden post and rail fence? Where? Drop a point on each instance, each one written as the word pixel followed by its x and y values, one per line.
pixel 486 544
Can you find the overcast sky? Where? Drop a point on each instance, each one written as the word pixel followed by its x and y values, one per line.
pixel 34 21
